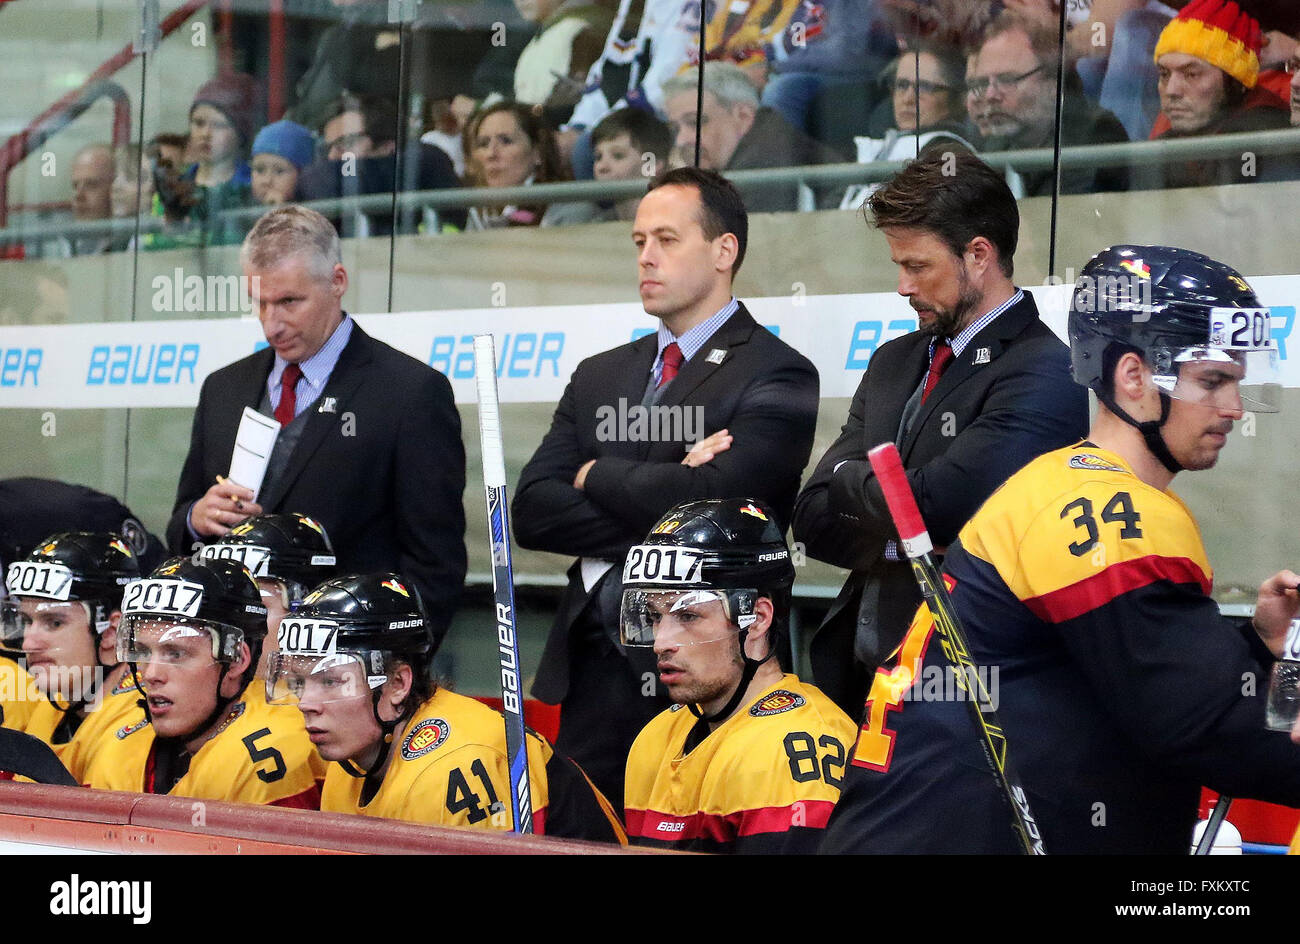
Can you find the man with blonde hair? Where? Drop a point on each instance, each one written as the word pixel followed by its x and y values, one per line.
pixel 369 442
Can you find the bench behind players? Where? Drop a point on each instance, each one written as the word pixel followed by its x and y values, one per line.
pixel 754 762
pixel 192 634
pixel 355 658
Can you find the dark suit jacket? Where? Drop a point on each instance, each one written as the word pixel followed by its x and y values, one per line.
pixel 384 473
pixel 981 423
pixel 764 392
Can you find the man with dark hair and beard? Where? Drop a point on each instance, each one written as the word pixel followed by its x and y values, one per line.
pixel 980 389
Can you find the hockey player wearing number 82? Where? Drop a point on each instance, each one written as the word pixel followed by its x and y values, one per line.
pixel 192 633
pixel 754 762
pixel 354 658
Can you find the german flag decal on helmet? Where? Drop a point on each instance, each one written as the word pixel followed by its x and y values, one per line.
pixel 395 587
pixel 777 702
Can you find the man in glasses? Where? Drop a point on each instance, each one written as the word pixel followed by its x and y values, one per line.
pixel 1011 94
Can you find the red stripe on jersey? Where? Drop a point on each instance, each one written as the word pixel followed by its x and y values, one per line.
pixel 662 827
pixel 1116 580
pixel 309 799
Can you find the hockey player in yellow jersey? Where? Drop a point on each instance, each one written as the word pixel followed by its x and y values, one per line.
pixel 1083 588
pixel 63 610
pixel 354 658
pixel 287 554
pixel 192 633
pixel 18 691
pixel 749 759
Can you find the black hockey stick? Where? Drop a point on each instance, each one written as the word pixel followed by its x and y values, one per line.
pixel 916 544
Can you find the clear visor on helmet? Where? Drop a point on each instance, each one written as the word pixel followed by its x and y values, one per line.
pixel 57 619
pixel 686 617
pixel 321 679
pixel 1236 369
pixel 175 641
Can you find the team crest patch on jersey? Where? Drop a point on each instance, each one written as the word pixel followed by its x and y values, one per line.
pixel 424 738
pixel 777 702
pixel 124 684
pixel 128 729
pixel 1091 463
pixel 677 707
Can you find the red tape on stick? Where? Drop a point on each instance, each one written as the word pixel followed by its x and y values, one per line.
pixel 888 467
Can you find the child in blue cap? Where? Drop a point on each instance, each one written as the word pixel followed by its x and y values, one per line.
pixel 280 151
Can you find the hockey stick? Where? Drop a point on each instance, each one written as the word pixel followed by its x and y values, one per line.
pixel 503 579
pixel 1211 833
pixel 915 541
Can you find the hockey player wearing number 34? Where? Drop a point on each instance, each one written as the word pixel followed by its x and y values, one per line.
pixel 754 762
pixel 192 633
pixel 354 657
pixel 1083 581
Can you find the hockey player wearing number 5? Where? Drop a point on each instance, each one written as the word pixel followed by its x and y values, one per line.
pixel 754 762
pixel 192 634
pixel 1083 584
pixel 354 658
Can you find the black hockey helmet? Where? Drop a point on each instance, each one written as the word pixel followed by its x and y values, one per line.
pixel 291 548
pixel 88 566
pixel 369 622
pixel 217 595
pixel 1173 307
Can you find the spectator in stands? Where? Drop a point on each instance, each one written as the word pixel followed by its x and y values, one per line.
pixel 169 149
pixel 629 144
pixel 280 152
pixel 359 139
pixel 507 145
pixel 132 190
pixel 92 181
pixel 223 115
pixel 1208 57
pixel 1013 82
pixel 552 69
pixel 737 134
pixel 926 106
pixel 1293 67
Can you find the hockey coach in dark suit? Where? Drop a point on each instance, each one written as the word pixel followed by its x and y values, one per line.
pixel 370 443
pixel 711 406
pixel 980 389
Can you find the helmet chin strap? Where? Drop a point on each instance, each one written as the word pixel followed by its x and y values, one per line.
pixel 386 729
pixel 1149 429
pixel 746 676
pixel 69 723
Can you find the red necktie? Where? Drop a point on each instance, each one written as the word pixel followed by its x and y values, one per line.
pixel 672 363
pixel 941 358
pixel 288 398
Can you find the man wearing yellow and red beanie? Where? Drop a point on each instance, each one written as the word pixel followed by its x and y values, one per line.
pixel 1208 57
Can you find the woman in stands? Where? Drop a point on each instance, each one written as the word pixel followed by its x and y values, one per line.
pixel 507 145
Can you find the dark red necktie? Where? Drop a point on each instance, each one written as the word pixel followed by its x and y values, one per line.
pixel 941 358
pixel 288 398
pixel 672 363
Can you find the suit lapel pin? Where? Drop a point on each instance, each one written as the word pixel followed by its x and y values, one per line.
pixel 982 355
pixel 716 356
pixel 328 405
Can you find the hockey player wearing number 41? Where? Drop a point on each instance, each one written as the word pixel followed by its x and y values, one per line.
pixel 1083 579
pixel 354 657
pixel 749 759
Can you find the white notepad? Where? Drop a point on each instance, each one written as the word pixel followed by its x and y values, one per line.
pixel 253 445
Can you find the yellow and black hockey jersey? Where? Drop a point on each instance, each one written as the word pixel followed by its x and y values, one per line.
pixel 1084 594
pixel 19 695
pixel 764 780
pixel 262 756
pixel 77 748
pixel 450 768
